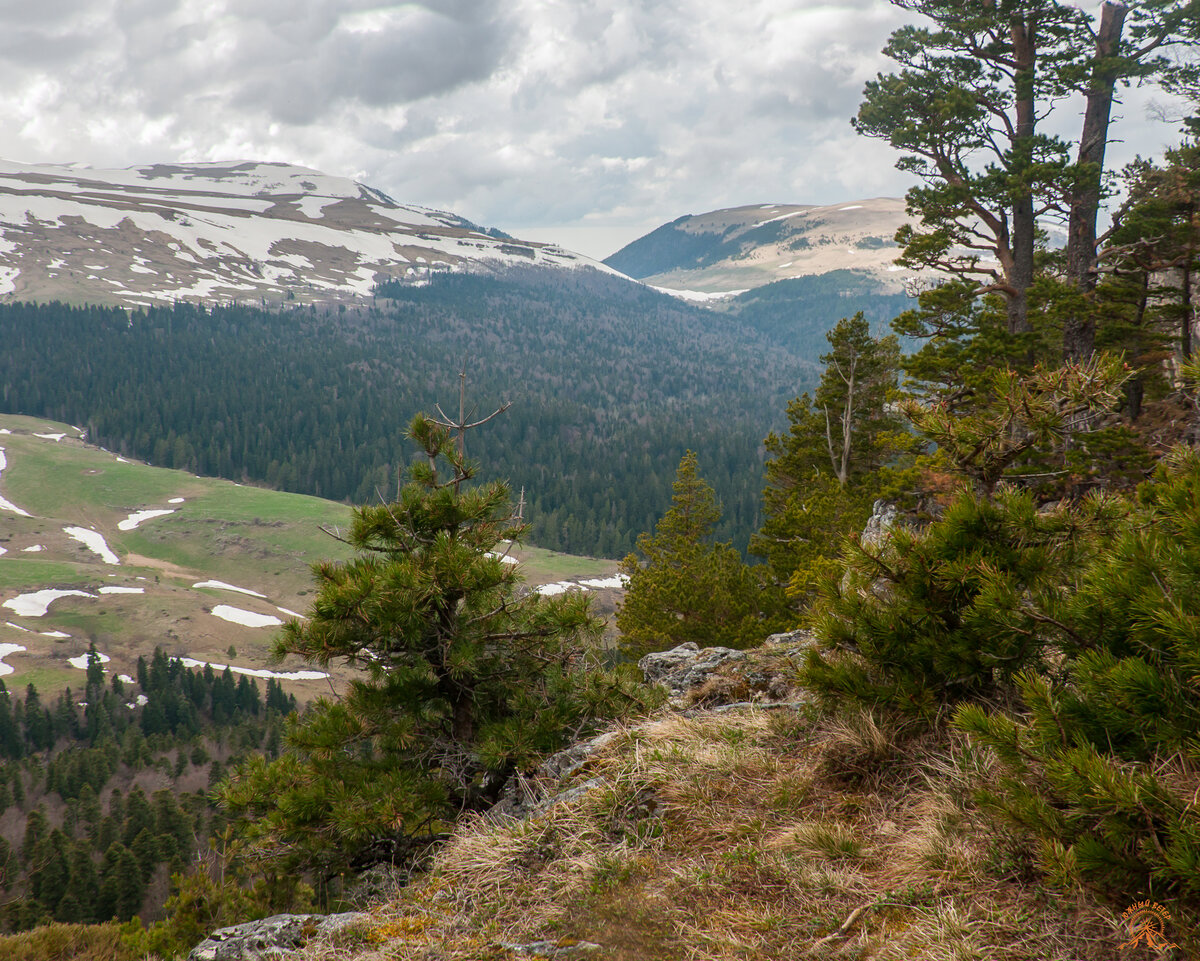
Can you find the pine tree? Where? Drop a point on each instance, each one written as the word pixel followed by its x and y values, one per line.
pixel 464 679
pixel 1101 763
pixel 949 615
pixel 846 446
pixel 683 587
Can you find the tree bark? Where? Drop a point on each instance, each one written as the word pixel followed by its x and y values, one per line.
pixel 1024 45
pixel 1079 330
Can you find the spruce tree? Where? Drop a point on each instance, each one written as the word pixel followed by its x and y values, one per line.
pixel 462 678
pixel 683 587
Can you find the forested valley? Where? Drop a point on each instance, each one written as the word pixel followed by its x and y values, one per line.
pixel 609 383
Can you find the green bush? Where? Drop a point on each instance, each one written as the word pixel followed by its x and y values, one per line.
pixel 930 619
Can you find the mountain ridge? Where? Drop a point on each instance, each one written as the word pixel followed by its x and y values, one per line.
pixel 734 249
pixel 222 231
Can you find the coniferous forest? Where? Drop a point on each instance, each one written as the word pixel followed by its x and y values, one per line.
pixel 106 788
pixel 609 384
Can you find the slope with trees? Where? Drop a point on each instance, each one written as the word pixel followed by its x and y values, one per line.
pixel 684 588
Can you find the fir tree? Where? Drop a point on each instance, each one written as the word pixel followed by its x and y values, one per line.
pixel 846 446
pixel 683 587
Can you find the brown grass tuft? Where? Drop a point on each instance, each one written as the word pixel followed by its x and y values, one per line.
pixel 744 835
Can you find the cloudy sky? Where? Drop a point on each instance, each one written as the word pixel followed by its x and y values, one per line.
pixel 587 122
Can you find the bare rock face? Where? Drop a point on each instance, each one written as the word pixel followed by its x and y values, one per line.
pixel 271 939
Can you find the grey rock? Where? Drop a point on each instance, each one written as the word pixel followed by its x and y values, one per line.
pixel 271 938
pixel 657 665
pixel 792 639
pixel 685 667
pixel 880 524
pixel 567 762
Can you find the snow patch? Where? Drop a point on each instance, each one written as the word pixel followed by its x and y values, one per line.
pixel 7 504
pixel 175 500
pixel 54 437
pixel 5 651
pixel 81 661
pixel 698 296
pixel 122 590
pixel 94 541
pixel 37 603
pixel 617 582
pixel 59 634
pixel 133 520
pixel 235 615
pixel 222 586
pixel 558 587
pixel 33 549
pixel 254 672
pixel 284 610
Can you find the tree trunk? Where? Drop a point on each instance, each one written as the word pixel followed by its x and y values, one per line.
pixel 1079 330
pixel 1024 44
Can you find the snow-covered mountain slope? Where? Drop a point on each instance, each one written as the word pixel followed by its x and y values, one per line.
pixel 227 231
pixel 741 248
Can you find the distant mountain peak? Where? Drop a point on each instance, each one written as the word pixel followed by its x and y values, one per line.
pixel 238 230
pixel 740 248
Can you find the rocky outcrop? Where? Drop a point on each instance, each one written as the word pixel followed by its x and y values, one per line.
pixel 880 524
pixel 697 680
pixel 272 939
pixel 711 676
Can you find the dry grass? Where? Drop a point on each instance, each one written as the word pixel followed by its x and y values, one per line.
pixel 743 835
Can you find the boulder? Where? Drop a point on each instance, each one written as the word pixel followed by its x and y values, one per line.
pixel 685 667
pixel 271 939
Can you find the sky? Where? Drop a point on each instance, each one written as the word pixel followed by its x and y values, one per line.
pixel 584 122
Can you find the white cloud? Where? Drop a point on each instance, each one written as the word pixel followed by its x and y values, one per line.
pixel 614 114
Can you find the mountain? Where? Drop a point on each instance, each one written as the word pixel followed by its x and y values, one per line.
pixel 740 248
pixel 246 231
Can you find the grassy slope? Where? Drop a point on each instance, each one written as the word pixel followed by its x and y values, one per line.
pixel 253 538
pixel 748 834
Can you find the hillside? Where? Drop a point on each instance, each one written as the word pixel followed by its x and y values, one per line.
pixel 245 231
pixel 98 548
pixel 724 252
pixel 610 384
pixel 746 830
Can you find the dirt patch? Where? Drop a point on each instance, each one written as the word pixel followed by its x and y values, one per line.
pixel 140 560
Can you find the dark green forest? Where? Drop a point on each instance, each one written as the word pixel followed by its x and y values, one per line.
pixel 798 312
pixel 111 785
pixel 609 383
